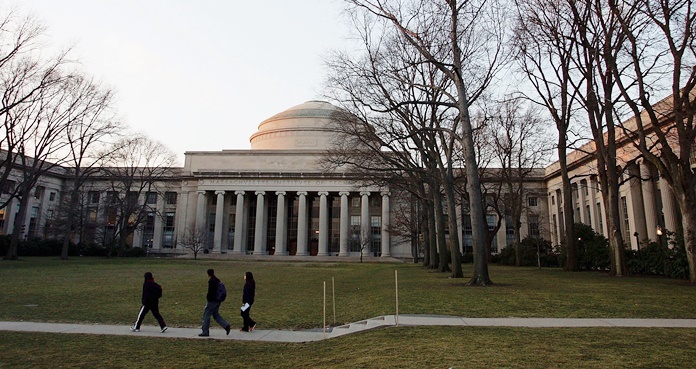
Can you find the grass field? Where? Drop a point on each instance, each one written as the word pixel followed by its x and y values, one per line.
pixel 290 295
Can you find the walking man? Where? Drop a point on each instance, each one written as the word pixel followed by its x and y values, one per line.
pixel 150 299
pixel 216 294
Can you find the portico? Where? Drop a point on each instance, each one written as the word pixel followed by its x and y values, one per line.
pixel 276 199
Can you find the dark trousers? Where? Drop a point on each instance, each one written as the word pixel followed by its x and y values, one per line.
pixel 248 322
pixel 155 311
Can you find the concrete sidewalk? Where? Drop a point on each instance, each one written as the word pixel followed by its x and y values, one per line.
pixel 377 322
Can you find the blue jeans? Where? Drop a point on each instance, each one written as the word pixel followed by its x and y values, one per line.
pixel 211 309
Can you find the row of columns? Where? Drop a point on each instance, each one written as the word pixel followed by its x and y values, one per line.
pixel 302 226
pixel 642 205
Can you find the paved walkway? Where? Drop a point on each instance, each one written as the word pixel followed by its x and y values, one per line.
pixel 378 322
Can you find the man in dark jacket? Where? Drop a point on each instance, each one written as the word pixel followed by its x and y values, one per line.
pixel 150 299
pixel 212 306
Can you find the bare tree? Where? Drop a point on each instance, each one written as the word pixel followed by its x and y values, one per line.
pixel 139 168
pixel 93 124
pixel 660 50
pixel 520 145
pixel 194 238
pixel 394 96
pixel 24 74
pixel 461 40
pixel 600 40
pixel 545 40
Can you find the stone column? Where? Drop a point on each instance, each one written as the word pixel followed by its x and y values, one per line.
pixel 593 203
pixel 219 209
pixel 365 222
pixel 344 226
pixel 668 206
pixel 582 189
pixel 281 243
pixel 386 244
pixel 501 235
pixel 302 225
pixel 649 200
pixel 200 212
pixel 259 245
pixel 238 223
pixel 323 225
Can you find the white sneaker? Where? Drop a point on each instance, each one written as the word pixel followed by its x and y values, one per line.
pixel 164 329
pixel 133 329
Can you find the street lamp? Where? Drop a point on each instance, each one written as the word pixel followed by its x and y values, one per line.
pixel 635 234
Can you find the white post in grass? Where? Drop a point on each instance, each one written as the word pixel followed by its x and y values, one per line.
pixel 324 310
pixel 396 286
pixel 333 293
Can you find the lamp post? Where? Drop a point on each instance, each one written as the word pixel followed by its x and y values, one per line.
pixel 635 234
pixel 659 233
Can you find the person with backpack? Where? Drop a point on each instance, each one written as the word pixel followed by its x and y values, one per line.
pixel 247 301
pixel 215 296
pixel 150 299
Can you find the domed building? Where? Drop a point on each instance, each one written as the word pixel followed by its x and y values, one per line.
pixel 275 198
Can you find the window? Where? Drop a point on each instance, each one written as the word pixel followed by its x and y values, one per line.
pixel 532 201
pixel 93 197
pixel 149 230
pixel 168 230
pixel 2 221
pixel 375 235
pixel 92 215
pixel 111 197
pixel 585 187
pixel 553 200
pixel 132 197
pixel 355 238
pixel 170 198
pixel 8 186
pixel 533 224
pixel 355 220
pixel 52 196
pixel 39 192
pixel 492 222
pixel 151 198
pixel 509 231
pixel 355 202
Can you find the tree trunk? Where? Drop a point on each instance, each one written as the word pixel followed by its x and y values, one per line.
pixel 456 256
pixel 687 208
pixel 432 237
pixel 567 219
pixel 440 231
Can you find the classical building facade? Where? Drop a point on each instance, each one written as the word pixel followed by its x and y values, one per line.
pixel 275 199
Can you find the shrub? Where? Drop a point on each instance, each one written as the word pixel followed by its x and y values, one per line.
pixel 592 249
pixel 528 253
pixel 656 259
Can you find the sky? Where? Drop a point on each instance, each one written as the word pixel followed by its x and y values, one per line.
pixel 198 75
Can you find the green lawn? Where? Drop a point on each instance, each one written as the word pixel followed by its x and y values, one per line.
pixel 290 295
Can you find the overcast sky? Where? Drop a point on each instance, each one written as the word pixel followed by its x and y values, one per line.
pixel 199 75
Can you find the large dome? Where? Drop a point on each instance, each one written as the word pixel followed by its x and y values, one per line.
pixel 305 126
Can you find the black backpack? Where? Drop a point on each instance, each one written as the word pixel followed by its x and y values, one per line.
pixel 221 294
